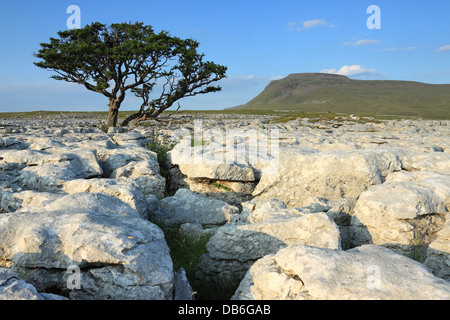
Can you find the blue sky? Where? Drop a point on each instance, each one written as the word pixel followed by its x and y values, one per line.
pixel 258 40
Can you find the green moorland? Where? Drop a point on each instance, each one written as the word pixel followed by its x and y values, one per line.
pixel 317 92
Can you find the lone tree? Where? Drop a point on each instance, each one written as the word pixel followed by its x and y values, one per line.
pixel 124 57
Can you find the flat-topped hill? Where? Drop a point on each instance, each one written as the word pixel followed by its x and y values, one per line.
pixel 321 92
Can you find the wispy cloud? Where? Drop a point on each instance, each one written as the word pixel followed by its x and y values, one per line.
pixel 308 24
pixel 239 82
pixel 397 49
pixel 355 71
pixel 363 42
pixel 444 48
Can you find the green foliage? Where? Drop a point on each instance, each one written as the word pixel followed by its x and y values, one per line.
pixel 122 57
pixel 221 186
pixel 195 143
pixel 103 127
pixel 186 252
pixel 161 148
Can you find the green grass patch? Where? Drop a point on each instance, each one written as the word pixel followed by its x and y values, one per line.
pixel 220 186
pixel 195 143
pixel 161 148
pixel 187 253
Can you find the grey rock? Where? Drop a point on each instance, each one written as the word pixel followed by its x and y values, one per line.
pixel 438 252
pixel 404 213
pixel 82 202
pixel 12 287
pixel 123 190
pixel 114 158
pixel 12 143
pixel 12 201
pixel 191 230
pixel 182 288
pixel 233 248
pixel 368 272
pixel 329 174
pixel 144 174
pixel 186 206
pixel 120 257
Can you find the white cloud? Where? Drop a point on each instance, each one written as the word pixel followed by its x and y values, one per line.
pixel 313 23
pixel 249 77
pixel 396 49
pixel 308 24
pixel 278 77
pixel 363 42
pixel 444 48
pixel 355 71
pixel 291 24
pixel 238 82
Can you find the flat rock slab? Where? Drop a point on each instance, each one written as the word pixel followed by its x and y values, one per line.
pixel 188 207
pixel 235 247
pixel 368 272
pixel 404 213
pixel 121 257
pixel 329 174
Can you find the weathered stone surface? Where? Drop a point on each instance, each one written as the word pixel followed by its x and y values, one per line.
pixel 12 201
pixel 121 257
pixel 12 287
pixel 209 162
pixel 232 172
pixel 65 164
pixel 328 174
pixel 115 158
pixel 81 202
pixel 128 139
pixel 120 189
pixel 182 288
pixel 144 174
pixel 186 206
pixel 367 272
pixel 438 252
pixel 403 213
pixel 30 157
pixel 82 161
pixel 271 209
pixel 434 161
pixel 192 230
pixel 44 171
pixel 234 247
pixel 12 143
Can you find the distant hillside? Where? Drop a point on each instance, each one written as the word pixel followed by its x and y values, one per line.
pixel 320 92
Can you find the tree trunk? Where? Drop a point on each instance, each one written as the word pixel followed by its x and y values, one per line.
pixel 130 118
pixel 113 113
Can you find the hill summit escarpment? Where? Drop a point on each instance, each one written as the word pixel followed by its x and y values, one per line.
pixel 321 92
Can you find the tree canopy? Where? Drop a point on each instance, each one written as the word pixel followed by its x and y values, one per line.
pixel 124 57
